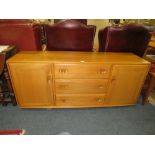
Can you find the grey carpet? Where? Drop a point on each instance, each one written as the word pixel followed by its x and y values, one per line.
pixel 92 121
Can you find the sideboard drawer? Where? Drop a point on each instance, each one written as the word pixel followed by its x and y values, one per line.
pixel 71 86
pixel 80 100
pixel 91 70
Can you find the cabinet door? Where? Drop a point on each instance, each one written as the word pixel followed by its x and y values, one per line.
pixel 32 84
pixel 125 84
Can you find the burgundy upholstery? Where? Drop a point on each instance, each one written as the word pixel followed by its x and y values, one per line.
pixel 70 35
pixel 16 21
pixel 127 38
pixel 2 59
pixel 23 34
pixel 83 21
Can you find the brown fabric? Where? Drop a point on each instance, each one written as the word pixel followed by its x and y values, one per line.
pixel 102 36
pixel 70 35
pixel 127 38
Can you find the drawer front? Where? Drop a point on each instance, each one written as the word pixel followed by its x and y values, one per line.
pixel 81 70
pixel 80 100
pixel 72 86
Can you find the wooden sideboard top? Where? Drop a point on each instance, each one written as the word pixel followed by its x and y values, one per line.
pixel 76 57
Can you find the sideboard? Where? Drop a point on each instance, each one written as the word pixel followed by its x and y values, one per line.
pixel 76 79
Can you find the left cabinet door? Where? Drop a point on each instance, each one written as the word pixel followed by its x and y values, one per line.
pixel 32 83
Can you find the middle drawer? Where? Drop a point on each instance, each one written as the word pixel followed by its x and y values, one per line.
pixel 72 86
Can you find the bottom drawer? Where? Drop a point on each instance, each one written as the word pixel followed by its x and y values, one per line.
pixel 80 100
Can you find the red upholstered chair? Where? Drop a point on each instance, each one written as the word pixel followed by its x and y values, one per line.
pixel 22 33
pixel 83 21
pixel 70 35
pixel 127 38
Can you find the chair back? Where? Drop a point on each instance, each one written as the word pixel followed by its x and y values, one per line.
pixel 83 21
pixel 23 34
pixel 70 35
pixel 127 38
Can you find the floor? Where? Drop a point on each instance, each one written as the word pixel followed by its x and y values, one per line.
pixel 91 121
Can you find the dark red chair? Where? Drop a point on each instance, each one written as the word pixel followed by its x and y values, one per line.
pixel 83 21
pixel 22 33
pixel 70 35
pixel 127 38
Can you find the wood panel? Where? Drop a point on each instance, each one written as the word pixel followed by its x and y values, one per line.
pixel 81 70
pixel 126 83
pixel 32 83
pixel 68 57
pixel 80 100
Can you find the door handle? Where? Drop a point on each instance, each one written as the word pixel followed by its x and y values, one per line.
pixel 113 79
pixel 49 81
pixel 49 77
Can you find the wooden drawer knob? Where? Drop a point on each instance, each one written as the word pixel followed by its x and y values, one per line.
pixel 100 86
pixel 103 71
pixel 63 70
pixel 63 100
pixel 113 79
pixel 99 100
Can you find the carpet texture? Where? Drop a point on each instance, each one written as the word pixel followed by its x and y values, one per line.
pixel 93 121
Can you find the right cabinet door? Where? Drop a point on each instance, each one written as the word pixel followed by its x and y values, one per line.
pixel 125 84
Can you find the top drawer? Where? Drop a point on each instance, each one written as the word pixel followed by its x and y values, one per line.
pixel 96 70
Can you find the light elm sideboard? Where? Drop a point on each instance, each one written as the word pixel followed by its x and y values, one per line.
pixel 76 79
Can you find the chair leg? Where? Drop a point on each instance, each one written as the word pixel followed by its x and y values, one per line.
pixel 1 96
pixel 13 100
pixel 149 89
